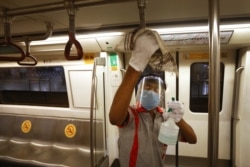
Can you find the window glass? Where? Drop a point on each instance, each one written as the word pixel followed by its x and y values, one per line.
pixel 42 86
pixel 199 86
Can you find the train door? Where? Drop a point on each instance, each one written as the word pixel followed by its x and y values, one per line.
pixel 87 92
pixel 193 92
pixel 114 70
pixel 241 114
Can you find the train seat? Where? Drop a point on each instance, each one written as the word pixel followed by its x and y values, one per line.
pixel 47 141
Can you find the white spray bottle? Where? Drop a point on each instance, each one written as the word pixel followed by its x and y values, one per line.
pixel 169 131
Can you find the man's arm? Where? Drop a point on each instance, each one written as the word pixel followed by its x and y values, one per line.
pixel 187 131
pixel 119 108
pixel 145 46
pixel 177 112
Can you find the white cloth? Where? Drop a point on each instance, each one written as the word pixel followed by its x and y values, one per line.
pixel 125 45
pixel 160 59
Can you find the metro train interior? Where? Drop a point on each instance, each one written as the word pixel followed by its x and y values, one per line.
pixel 59 71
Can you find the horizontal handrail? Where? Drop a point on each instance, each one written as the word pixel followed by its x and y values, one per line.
pixel 49 31
pixel 59 5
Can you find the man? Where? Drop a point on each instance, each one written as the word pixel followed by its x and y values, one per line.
pixel 139 124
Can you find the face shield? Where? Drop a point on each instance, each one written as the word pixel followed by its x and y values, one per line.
pixel 150 92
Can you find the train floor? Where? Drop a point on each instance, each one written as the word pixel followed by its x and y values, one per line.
pixel 12 164
pixel 170 161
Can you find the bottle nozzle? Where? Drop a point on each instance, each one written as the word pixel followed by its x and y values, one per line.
pixel 170 109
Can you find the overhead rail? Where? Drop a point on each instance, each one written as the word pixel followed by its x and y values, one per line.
pixel 8 43
pixel 72 39
pixel 57 6
pixel 53 7
pixel 49 31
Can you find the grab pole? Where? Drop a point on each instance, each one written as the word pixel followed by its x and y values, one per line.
pixel 214 83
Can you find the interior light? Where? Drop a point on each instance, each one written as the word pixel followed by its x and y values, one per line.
pixel 64 39
pixel 234 26
pixel 51 40
pixel 199 28
pixel 51 50
pixel 182 29
pixel 170 30
pixel 96 35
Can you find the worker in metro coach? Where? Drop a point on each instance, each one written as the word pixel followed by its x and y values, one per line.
pixel 141 147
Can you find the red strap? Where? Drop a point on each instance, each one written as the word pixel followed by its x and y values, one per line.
pixel 134 150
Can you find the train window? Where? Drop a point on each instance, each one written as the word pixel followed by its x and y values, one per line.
pixel 38 86
pixel 199 86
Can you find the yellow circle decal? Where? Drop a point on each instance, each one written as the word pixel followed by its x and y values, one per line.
pixel 26 126
pixel 70 130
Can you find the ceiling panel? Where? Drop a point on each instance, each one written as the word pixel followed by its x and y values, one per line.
pixel 97 17
pixel 123 13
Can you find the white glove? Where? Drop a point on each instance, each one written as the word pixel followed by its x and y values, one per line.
pixel 177 110
pixel 144 48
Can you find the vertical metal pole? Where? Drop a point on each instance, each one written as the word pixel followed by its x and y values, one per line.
pixel 234 116
pixel 214 83
pixel 177 98
pixel 92 121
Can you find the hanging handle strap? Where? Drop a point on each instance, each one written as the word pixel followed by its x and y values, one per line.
pixel 72 40
pixel 28 56
pixel 28 39
pixel 141 6
pixel 7 41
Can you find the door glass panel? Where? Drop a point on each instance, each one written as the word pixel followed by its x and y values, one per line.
pixel 199 86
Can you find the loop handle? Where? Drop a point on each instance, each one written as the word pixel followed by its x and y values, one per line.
pixel 7 41
pixel 29 56
pixel 68 46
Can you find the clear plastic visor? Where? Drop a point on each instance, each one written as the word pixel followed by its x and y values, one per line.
pixel 150 92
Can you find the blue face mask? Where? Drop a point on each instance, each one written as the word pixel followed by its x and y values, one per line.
pixel 150 99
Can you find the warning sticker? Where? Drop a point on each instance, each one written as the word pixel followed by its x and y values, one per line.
pixel 70 130
pixel 26 126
